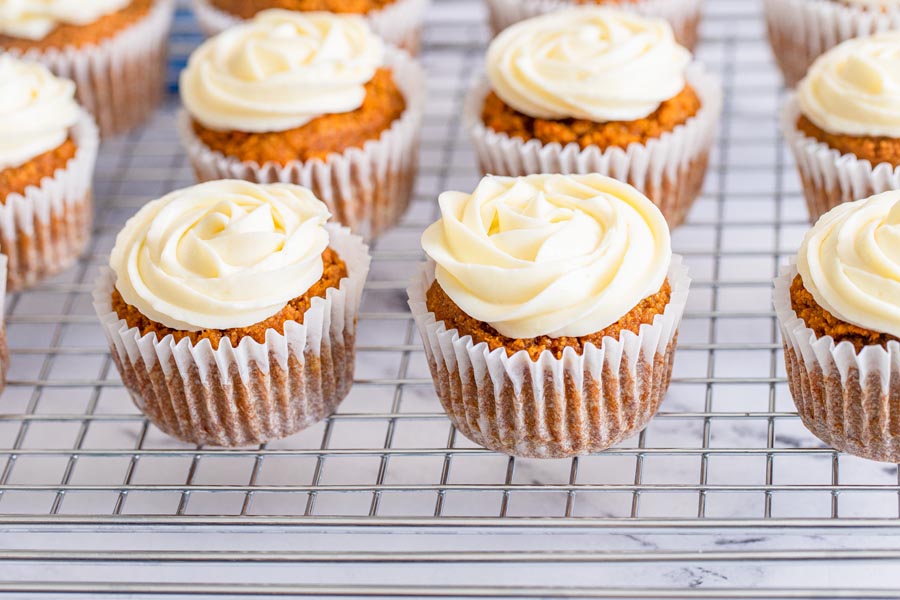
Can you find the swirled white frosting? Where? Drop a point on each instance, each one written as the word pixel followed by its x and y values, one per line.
pixel 554 255
pixel 587 63
pixel 850 262
pixel 36 111
pixel 34 19
pixel 221 255
pixel 871 3
pixel 853 88
pixel 280 70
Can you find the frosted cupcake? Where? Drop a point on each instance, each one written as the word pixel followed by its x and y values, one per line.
pixel 114 51
pixel 843 123
pixel 839 312
pixel 48 145
pixel 682 15
pixel 311 98
pixel 802 30
pixel 398 22
pixel 549 309
pixel 231 311
pixel 595 90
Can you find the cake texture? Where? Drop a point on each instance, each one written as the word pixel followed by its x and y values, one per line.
pixel 543 345
pixel 238 356
pixel 628 105
pixel 353 142
pixel 114 50
pixel 840 329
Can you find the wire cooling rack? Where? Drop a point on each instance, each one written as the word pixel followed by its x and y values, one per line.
pixel 727 453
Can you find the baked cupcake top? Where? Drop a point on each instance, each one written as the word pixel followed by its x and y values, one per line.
pixel 853 89
pixel 549 255
pixel 34 19
pixel 36 111
pixel 587 63
pixel 281 70
pixel 221 255
pixel 850 262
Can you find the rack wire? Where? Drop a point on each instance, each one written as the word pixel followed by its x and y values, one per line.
pixel 727 451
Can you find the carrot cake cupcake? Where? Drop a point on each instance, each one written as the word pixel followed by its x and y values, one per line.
pixel 48 145
pixel 231 311
pixel 597 90
pixel 838 308
pixel 549 308
pixel 802 30
pixel 843 123
pixel 114 50
pixel 398 22
pixel 682 15
pixel 341 117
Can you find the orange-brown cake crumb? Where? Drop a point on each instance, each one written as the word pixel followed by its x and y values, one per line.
pixel 248 8
pixel 14 180
pixel 335 270
pixel 83 35
pixel 873 149
pixel 824 323
pixel 384 103
pixel 446 310
pixel 502 118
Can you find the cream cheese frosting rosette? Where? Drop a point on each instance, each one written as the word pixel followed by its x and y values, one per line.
pixel 118 69
pixel 847 98
pixel 276 79
pixel 45 213
pixel 838 307
pixel 398 22
pixel 544 298
pixel 600 67
pixel 231 311
pixel 802 30
pixel 682 15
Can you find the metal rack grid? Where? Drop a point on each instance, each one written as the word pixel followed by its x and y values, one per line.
pixel 726 451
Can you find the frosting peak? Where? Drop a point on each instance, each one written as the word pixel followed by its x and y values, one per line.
pixel 852 89
pixel 34 19
pixel 36 111
pixel 587 63
pixel 554 255
pixel 850 262
pixel 222 254
pixel 281 70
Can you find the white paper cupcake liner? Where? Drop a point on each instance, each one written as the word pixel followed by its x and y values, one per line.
pixel 252 393
pixel 683 15
pixel 399 23
pixel 551 408
pixel 669 170
pixel 4 347
pixel 802 30
pixel 367 189
pixel 44 230
pixel 849 401
pixel 121 80
pixel 829 177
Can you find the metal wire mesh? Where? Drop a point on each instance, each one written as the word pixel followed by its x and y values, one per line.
pixel 727 444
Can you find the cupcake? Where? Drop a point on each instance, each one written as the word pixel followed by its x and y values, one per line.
pixel 843 123
pixel 48 145
pixel 398 22
pixel 341 116
pixel 595 90
pixel 4 347
pixel 682 15
pixel 838 308
pixel 549 309
pixel 231 309
pixel 114 50
pixel 801 30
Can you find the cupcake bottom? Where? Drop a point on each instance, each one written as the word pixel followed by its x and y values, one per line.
pixel 4 346
pixel 850 400
pixel 551 408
